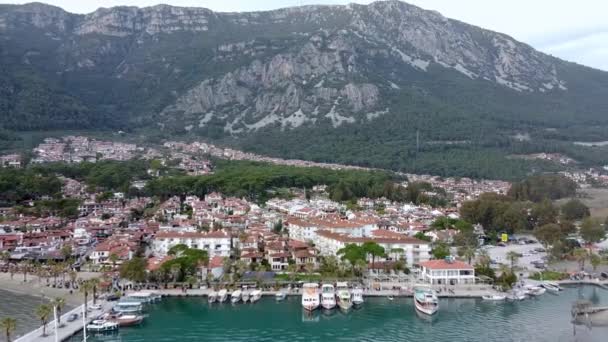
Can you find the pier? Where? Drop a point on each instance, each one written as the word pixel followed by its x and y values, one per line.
pixel 67 329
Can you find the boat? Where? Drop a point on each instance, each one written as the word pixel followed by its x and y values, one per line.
pixel 128 307
pixel 425 301
pixel 222 295
pixel 328 296
pixel 344 298
pixel 235 297
pixel 358 297
pixel 145 297
pixel 101 325
pixel 212 297
pixel 391 298
pixel 551 287
pixel 535 290
pixel 245 296
pixel 517 295
pixel 495 297
pixel 280 296
pixel 255 296
pixel 125 320
pixel 310 296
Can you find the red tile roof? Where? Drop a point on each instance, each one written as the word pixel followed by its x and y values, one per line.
pixel 444 265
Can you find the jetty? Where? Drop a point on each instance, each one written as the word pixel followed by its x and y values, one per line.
pixel 595 282
pixel 66 329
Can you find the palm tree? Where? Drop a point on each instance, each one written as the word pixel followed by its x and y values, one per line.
pixel 85 288
pixel 73 275
pixel 467 252
pixel 513 257
pixel 595 260
pixel 94 282
pixel 581 255
pixel 25 269
pixel 8 326
pixel 191 280
pixel 43 312
pixel 58 303
pixel 483 257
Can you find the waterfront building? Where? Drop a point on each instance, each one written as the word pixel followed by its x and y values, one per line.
pixel 447 272
pixel 215 243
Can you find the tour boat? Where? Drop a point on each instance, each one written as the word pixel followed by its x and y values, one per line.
pixel 310 296
pixel 328 296
pixel 357 297
pixel 128 307
pixel 235 297
pixel 494 297
pixel 212 297
pixel 426 301
pixel 279 296
pixel 344 298
pixel 222 295
pixel 100 325
pixel 125 320
pixel 255 296
pixel 245 296
pixel 145 297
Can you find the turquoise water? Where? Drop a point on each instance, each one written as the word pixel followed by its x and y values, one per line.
pixel 546 318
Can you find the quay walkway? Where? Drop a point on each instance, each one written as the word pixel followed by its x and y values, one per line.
pixel 67 329
pixel 595 282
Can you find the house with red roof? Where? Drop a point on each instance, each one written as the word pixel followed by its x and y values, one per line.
pixel 447 271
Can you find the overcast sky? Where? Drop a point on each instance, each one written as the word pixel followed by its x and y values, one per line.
pixel 573 30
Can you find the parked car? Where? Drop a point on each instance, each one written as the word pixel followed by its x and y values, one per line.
pixel 95 307
pixel 540 249
pixel 72 317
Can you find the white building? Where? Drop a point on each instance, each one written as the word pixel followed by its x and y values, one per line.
pixel 447 272
pixel 414 250
pixel 216 243
pixel 306 230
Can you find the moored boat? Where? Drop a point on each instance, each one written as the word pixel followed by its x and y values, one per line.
pixel 235 297
pixel 425 301
pixel 328 296
pixel 245 296
pixel 344 298
pixel 128 307
pixel 516 295
pixel 145 297
pixel 494 297
pixel 535 290
pixel 212 297
pixel 279 296
pixel 125 320
pixel 100 325
pixel 310 296
pixel 222 295
pixel 255 296
pixel 551 287
pixel 358 297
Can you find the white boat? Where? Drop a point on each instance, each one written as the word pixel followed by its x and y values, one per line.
pixel 255 296
pixel 357 297
pixel 245 296
pixel 425 301
pixel 145 297
pixel 551 287
pixel 222 295
pixel 212 297
pixel 328 296
pixel 344 298
pixel 100 325
pixel 310 296
pixel 128 307
pixel 517 295
pixel 535 290
pixel 279 296
pixel 235 297
pixel 494 297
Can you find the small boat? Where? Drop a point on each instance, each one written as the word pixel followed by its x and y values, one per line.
pixel 100 325
pixel 212 297
pixel 357 297
pixel 280 296
pixel 310 296
pixel 516 295
pixel 494 297
pixel 125 320
pixel 425 301
pixel 235 297
pixel 328 296
pixel 245 296
pixel 551 287
pixel 535 290
pixel 255 296
pixel 222 295
pixel 344 298
pixel 390 298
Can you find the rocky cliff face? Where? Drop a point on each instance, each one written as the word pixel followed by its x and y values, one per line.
pixel 313 65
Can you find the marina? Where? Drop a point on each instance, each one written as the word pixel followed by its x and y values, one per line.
pixel 378 320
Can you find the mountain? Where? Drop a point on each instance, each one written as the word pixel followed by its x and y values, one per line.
pixel 386 84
